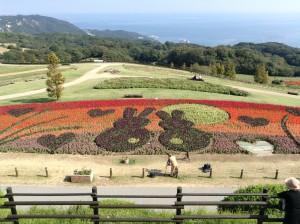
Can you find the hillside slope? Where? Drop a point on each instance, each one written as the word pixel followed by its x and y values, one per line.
pixel 33 24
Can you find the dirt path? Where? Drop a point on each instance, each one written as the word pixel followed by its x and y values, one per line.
pixel 264 92
pixel 25 72
pixel 226 170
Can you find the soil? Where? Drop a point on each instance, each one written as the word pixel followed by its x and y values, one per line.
pixel 226 169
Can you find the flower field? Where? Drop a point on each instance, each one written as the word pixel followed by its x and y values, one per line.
pixel 141 126
pixel 297 83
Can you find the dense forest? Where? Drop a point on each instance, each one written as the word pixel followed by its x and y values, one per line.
pixel 279 59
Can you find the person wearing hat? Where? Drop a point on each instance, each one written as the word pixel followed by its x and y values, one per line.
pixel 292 201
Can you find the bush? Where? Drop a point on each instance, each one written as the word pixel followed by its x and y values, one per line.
pixel 83 171
pixel 132 96
pixel 273 189
pixel 127 83
pixel 278 82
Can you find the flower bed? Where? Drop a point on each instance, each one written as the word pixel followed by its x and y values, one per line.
pixel 297 83
pixel 143 126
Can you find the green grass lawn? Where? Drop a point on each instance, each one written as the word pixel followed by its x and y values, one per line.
pixel 5 69
pixel 74 93
pixel 70 75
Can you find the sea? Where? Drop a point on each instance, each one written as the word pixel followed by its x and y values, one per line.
pixel 207 29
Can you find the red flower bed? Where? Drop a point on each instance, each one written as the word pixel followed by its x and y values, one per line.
pixel 297 83
pixel 140 126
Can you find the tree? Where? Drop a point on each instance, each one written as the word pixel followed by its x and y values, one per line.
pixel 220 70
pixel 55 79
pixel 261 75
pixel 195 68
pixel 183 67
pixel 230 70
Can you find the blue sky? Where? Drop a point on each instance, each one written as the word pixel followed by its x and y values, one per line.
pixel 51 7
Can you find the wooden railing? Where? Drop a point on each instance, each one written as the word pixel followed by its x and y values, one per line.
pixel 180 203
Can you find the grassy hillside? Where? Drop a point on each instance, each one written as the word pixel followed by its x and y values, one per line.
pixel 74 93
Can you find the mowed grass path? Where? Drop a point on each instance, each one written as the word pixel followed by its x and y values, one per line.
pixel 85 91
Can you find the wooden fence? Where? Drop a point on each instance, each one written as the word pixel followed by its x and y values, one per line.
pixel 178 206
pixel 16 172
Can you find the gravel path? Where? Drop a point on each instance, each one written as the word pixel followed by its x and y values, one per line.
pixel 265 92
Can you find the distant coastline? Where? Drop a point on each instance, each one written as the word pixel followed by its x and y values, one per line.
pixel 202 29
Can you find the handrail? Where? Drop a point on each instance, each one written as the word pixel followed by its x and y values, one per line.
pixel 178 205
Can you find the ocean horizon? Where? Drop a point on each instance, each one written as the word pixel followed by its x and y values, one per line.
pixel 208 29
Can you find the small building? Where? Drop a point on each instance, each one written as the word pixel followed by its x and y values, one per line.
pixel 98 61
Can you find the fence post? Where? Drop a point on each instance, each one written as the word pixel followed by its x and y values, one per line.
pixel 94 196
pixel 110 173
pixel 17 173
pixel 242 173
pixel 210 173
pixel 276 174
pixel 262 209
pixel 46 171
pixel 143 173
pixel 13 208
pixel 179 198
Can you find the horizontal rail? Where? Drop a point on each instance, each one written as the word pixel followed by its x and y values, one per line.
pixel 221 203
pixel 185 217
pixel 9 203
pixel 46 194
pixel 53 216
pixel 6 220
pixel 134 220
pixel 156 206
pixel 138 196
pixel 222 194
pixel 274 220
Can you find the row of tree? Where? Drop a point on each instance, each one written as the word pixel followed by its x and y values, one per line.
pixel 244 58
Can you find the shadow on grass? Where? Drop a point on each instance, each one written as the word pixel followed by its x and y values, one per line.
pixel 269 178
pixel 36 100
pixel 204 176
pixel 141 177
pixel 105 177
pixel 41 176
pixel 67 179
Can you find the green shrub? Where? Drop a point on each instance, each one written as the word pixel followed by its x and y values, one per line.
pixel 277 82
pixel 273 189
pixel 171 83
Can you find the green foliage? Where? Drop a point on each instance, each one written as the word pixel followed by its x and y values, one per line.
pixel 230 70
pixel 55 79
pixel 246 57
pixel 128 83
pixel 82 171
pixel 277 82
pixel 196 68
pixel 273 189
pixel 220 69
pixel 261 75
pixel 200 114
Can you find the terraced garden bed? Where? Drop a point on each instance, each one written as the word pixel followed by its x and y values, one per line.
pixel 140 126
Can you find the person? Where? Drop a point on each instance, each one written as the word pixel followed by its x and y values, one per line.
pixel 173 162
pixel 292 201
